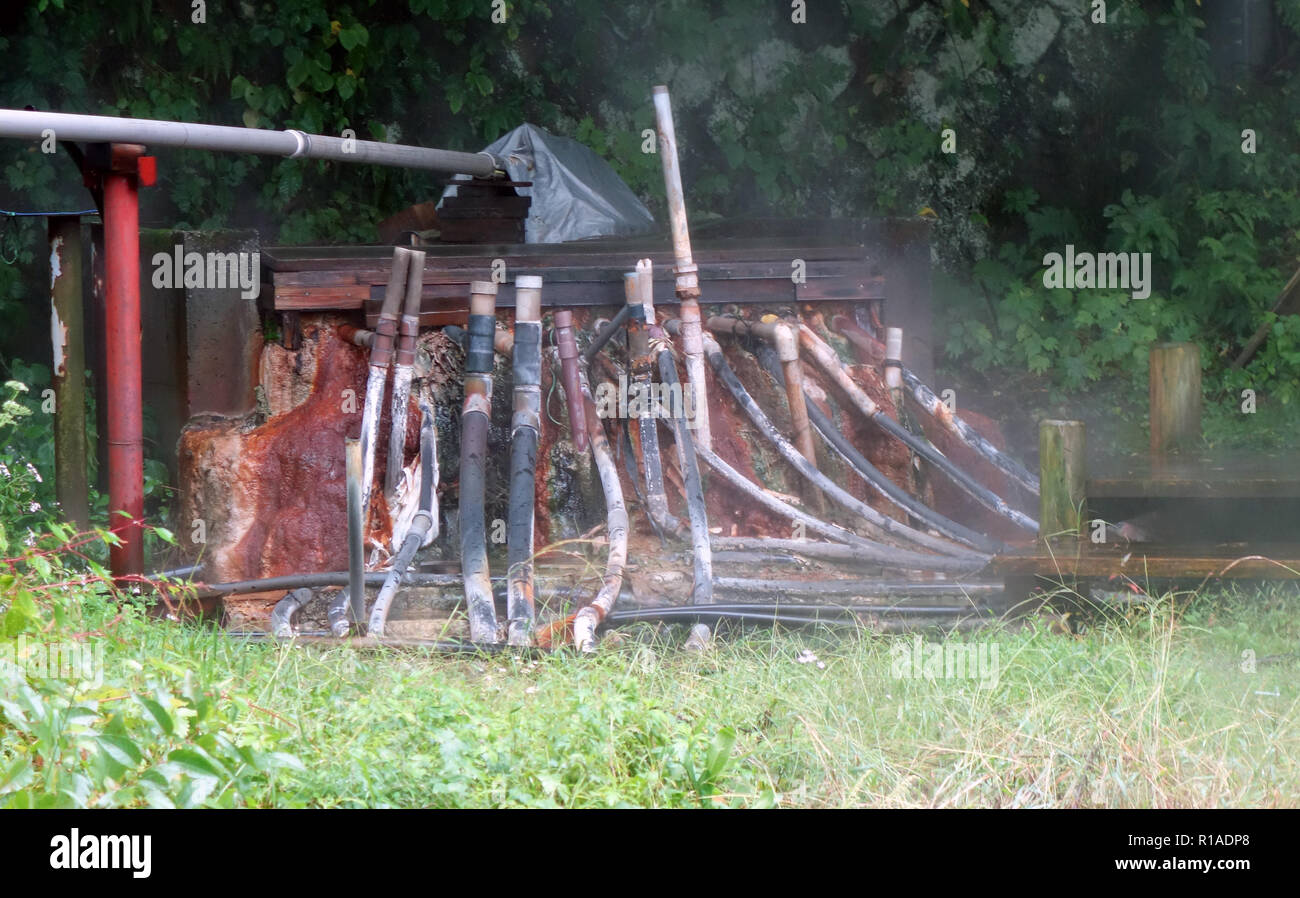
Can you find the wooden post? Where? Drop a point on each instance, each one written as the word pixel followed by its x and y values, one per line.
pixel 69 375
pixel 1175 396
pixel 1062 478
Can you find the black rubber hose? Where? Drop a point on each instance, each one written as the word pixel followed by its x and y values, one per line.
pixel 314 581
pixel 973 487
pixel 872 475
pixel 697 513
pixel 598 342
pixel 787 614
pixel 787 450
pixel 524 437
pixel 970 436
pixel 859 548
pixel 640 364
pixel 474 421
pixel 830 362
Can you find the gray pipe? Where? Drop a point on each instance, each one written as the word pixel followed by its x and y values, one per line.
pixel 226 139
pixel 356 534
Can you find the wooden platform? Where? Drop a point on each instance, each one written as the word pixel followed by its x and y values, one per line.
pixel 1148 562
pixel 852 261
pixel 1221 475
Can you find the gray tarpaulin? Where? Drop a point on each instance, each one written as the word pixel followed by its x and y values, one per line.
pixel 575 193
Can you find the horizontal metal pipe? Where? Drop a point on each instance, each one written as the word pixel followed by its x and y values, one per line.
pixel 227 139
pixel 315 581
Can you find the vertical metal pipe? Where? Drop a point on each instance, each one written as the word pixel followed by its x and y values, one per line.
pixel 589 618
pixel 524 431
pixel 567 344
pixel 381 354
pixel 894 365
pixel 408 330
pixel 356 526
pixel 688 281
pixel 702 553
pixel 66 332
pixel 475 417
pixel 123 359
pixel 639 295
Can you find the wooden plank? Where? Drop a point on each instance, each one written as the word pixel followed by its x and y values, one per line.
pixel 1180 563
pixel 1205 475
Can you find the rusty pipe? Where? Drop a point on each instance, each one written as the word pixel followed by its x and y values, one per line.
pixel 381 356
pixel 937 409
pixel 567 344
pixel 357 336
pixel 475 416
pixel 882 523
pixel 686 271
pixel 829 362
pixel 786 343
pixel 590 616
pixel 875 478
pixel 408 330
pixel 123 364
pixel 524 433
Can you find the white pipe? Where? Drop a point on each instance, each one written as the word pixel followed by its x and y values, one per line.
pixel 226 139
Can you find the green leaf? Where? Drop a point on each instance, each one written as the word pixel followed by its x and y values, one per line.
pixel 194 763
pixel 354 35
pixel 159 714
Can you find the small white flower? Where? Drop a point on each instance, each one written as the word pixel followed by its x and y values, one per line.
pixel 35 473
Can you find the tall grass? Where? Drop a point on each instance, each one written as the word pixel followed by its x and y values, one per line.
pixel 1161 709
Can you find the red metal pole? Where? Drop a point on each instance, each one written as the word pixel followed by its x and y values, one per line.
pixel 122 355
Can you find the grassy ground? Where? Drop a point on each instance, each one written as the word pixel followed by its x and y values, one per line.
pixel 1161 709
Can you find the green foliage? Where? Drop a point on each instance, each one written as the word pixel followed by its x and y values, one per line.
pixel 1115 138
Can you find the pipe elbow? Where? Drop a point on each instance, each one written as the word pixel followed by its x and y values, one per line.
pixel 785 342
